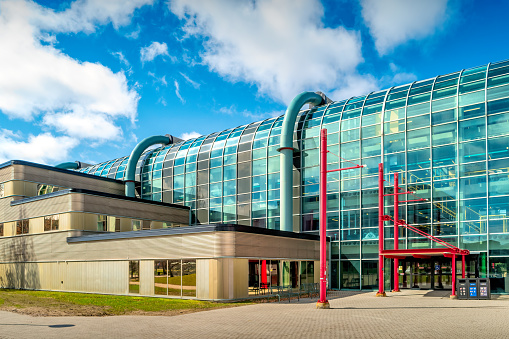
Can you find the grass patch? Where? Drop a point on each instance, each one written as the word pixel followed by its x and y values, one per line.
pixel 42 303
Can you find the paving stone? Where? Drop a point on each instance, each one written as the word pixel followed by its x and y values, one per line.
pixel 408 314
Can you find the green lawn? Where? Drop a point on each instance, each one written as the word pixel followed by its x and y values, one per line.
pixel 61 303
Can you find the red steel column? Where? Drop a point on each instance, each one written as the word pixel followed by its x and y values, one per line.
pixel 323 303
pixel 381 292
pixel 396 231
pixel 453 295
pixel 463 266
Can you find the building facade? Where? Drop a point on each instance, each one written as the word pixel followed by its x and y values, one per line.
pixel 447 136
pixel 63 230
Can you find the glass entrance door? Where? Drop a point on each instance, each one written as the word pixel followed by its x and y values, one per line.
pixel 442 274
pixel 421 274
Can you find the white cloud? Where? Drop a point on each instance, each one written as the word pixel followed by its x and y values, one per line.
pixel 393 22
pixel 189 135
pixel 43 148
pixel 155 49
pixel 190 81
pixel 121 57
pixel 86 15
pixel 281 46
pixel 84 125
pixel 177 91
pixel 39 81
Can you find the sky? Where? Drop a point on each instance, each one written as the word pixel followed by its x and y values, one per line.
pixel 87 80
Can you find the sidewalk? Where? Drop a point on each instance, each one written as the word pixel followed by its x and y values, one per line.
pixel 409 314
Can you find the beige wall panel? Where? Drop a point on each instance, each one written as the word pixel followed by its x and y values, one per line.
pixel 63 179
pixel 9 188
pixel 36 225
pixel 9 229
pixel 64 222
pixel 202 279
pixel 17 187
pixel 241 278
pixel 125 225
pixel 36 208
pixel 225 244
pixel 154 225
pixel 6 173
pixel 146 277
pixel 199 246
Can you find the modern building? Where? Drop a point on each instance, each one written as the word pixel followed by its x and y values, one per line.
pixel 447 137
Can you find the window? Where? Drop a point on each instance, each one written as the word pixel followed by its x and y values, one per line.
pixel 134 276
pixel 2 190
pixel 136 225
pixel 117 224
pixel 102 223
pixel 51 223
pixel 1 229
pixel 22 226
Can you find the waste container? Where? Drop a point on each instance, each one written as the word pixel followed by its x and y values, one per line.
pixel 473 288
pixel 461 287
pixel 484 288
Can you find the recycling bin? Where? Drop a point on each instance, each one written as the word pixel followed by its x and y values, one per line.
pixel 461 289
pixel 484 288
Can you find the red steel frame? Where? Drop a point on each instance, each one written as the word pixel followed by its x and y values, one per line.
pixel 323 212
pixel 450 251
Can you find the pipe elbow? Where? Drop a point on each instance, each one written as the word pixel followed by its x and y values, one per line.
pixel 69 165
pixel 291 116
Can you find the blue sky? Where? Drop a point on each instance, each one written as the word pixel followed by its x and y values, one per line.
pixel 85 80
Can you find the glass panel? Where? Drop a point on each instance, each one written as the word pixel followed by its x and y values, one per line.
pixel 417 122
pixel 499 275
pixel 188 277
pixel 444 134
pixel 443 104
pixel 498 124
pixel 472 187
pixel 498 184
pixel 473 209
pixel 443 117
pixel 350 271
pixel 472 151
pixel 472 129
pixel 471 111
pixel 371 147
pixel 498 208
pixel 394 143
pixel 445 155
pixel 417 109
pixel 418 138
pixel 498 106
pixel 418 159
pixel 497 148
pixel 134 276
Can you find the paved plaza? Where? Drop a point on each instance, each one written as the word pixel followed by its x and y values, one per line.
pixel 409 314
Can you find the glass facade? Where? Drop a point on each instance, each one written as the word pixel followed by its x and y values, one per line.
pixel 448 138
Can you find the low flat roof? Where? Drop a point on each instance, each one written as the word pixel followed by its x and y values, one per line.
pixel 55 169
pixel 191 230
pixel 96 193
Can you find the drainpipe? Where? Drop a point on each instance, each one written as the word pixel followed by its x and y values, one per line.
pixel 135 156
pixel 69 165
pixel 287 150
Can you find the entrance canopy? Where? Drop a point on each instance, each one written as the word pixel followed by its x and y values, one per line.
pixel 424 253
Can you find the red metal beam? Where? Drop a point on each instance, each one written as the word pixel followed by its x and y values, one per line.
pixel 424 251
pixel 420 256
